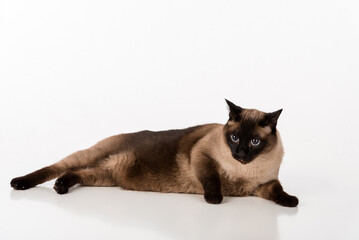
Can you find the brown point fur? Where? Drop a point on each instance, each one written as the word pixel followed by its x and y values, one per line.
pixel 193 160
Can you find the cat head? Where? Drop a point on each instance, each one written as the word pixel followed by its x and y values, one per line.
pixel 250 132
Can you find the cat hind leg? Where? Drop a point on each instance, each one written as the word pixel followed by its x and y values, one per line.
pixel 86 177
pixel 77 160
pixel 35 178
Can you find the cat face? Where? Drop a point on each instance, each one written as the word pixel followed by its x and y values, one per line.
pixel 250 132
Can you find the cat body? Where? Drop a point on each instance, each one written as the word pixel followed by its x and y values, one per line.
pixel 213 159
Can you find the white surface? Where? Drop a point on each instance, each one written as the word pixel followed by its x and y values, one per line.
pixel 74 72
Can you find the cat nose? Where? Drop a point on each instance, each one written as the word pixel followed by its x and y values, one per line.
pixel 242 151
pixel 241 154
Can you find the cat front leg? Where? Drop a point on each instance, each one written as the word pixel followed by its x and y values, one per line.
pixel 208 176
pixel 273 191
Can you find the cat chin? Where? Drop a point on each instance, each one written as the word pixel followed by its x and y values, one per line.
pixel 243 161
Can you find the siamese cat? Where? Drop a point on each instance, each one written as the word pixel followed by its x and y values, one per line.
pixel 240 158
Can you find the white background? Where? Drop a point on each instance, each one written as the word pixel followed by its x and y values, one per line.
pixel 75 72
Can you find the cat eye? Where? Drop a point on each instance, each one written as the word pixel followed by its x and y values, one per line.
pixel 255 142
pixel 234 138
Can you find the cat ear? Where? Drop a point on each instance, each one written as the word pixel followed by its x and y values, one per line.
pixel 271 119
pixel 234 111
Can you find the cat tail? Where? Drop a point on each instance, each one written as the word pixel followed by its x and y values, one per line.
pixel 81 159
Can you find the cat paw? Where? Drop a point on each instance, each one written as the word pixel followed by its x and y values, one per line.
pixel 60 187
pixel 289 201
pixel 213 198
pixel 21 183
pixel 64 182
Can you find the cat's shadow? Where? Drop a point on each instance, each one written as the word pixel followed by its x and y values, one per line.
pixel 179 216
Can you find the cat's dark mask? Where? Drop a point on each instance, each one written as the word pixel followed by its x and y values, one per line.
pixel 250 132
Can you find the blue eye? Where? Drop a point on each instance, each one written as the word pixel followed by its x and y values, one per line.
pixel 255 142
pixel 234 138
